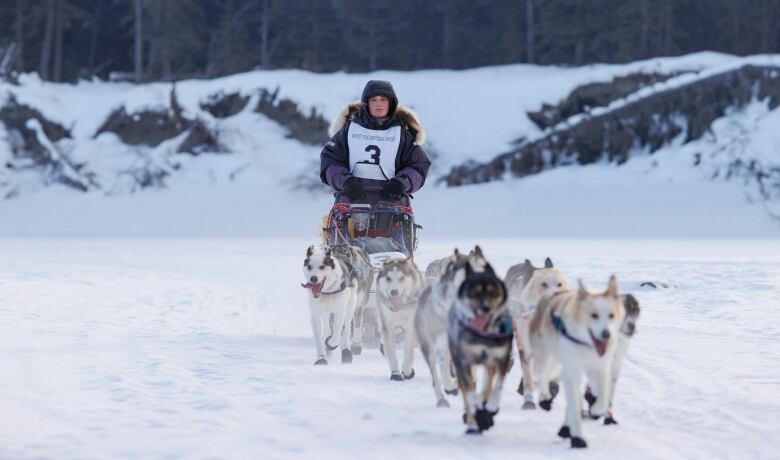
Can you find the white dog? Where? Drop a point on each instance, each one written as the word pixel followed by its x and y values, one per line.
pixel 398 288
pixel 579 330
pixel 332 290
pixel 527 285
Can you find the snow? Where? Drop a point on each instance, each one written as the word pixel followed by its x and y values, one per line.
pixel 170 322
pixel 201 348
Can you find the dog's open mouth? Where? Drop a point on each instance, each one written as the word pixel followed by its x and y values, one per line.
pixel 598 344
pixel 316 288
pixel 480 322
pixel 396 303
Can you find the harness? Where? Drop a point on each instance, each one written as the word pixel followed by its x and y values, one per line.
pixel 557 323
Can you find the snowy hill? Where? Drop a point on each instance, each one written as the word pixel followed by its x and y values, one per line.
pixel 470 116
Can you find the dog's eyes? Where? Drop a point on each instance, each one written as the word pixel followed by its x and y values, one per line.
pixel 594 315
pixel 322 267
pixel 400 279
pixel 478 288
pixel 388 279
pixel 559 284
pixel 544 285
pixel 308 267
pixel 611 315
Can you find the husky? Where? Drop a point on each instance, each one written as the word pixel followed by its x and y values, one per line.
pixel 335 288
pixel 480 333
pixel 527 285
pixel 579 330
pixel 627 330
pixel 435 269
pixel 399 285
pixel 430 325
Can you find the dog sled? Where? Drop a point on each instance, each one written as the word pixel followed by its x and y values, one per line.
pixel 385 231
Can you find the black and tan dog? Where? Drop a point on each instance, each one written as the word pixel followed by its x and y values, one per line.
pixel 480 334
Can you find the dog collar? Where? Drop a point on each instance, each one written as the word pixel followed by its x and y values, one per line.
pixel 557 323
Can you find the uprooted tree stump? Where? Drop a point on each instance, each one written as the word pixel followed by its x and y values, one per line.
pixel 310 129
pixel 221 105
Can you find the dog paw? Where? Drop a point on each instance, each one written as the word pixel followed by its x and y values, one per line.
pixel 554 388
pixel 346 356
pixel 328 345
pixel 546 404
pixel 442 403
pixel 520 387
pixel 357 350
pixel 564 432
pixel 484 419
pixel 453 392
pixel 578 443
pixel 589 397
pixel 609 420
pixel 409 376
pixel 396 376
pixel 321 362
pixel 529 405
pixel 473 431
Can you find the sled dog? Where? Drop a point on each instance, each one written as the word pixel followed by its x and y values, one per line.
pixel 334 288
pixel 399 285
pixel 527 285
pixel 627 330
pixel 579 330
pixel 480 334
pixel 430 325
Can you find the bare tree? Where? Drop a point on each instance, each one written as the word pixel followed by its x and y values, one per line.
pixel 48 36
pixel 139 43
pixel 58 40
pixel 529 30
pixel 19 34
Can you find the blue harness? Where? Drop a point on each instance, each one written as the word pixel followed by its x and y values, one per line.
pixel 557 323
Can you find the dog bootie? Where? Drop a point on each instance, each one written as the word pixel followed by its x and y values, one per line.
pixel 410 376
pixel 529 405
pixel 453 392
pixel 396 376
pixel 554 388
pixel 610 420
pixel 346 356
pixel 442 403
pixel 578 443
pixel 564 432
pixel 357 350
pixel 546 404
pixel 321 362
pixel 484 419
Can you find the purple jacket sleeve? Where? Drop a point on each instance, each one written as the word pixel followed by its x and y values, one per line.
pixel 413 164
pixel 334 161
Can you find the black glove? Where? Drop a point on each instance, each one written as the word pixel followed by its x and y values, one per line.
pixel 394 188
pixel 353 189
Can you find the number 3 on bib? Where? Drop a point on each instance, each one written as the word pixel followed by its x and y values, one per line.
pixel 375 156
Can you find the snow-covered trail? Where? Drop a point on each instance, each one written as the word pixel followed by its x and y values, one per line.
pixel 201 348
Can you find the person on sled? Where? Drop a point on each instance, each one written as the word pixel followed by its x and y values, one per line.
pixel 375 151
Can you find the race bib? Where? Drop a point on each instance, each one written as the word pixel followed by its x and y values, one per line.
pixel 372 153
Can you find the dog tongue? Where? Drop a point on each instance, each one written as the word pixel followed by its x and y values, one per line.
pixel 480 322
pixel 599 345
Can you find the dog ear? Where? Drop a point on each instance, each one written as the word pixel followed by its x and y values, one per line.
pixel 631 305
pixel 527 264
pixel 310 251
pixel 582 293
pixel 548 263
pixel 612 289
pixel 489 269
pixel 478 252
pixel 455 254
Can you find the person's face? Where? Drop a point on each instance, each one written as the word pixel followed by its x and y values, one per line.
pixel 378 106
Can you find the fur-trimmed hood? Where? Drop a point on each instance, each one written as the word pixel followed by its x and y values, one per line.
pixel 404 113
